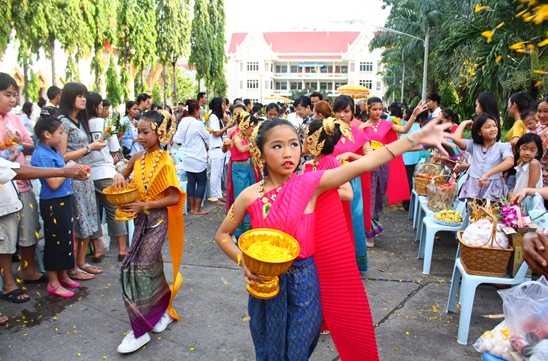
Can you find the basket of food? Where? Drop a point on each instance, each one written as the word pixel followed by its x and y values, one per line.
pixel 484 250
pixel 424 174
pixel 267 253
pixel 441 196
pixel 448 218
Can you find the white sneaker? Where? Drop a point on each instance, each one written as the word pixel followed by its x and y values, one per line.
pixel 164 321
pixel 132 344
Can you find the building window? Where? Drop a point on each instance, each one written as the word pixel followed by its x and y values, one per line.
pixel 307 85
pixel 329 86
pixel 267 84
pixel 366 66
pixel 294 68
pixel 330 68
pixel 352 67
pixel 379 86
pixel 338 85
pixel 281 68
pixel 367 83
pixel 266 66
pixel 241 84
pixel 241 66
pixel 323 86
pixel 379 66
pixel 281 85
pixel 253 84
pixel 294 85
pixel 344 69
pixel 253 66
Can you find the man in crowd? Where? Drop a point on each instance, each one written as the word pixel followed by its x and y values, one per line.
pixel 144 101
pixel 237 101
pixel 249 105
pixel 106 109
pixel 315 97
pixel 54 97
pixel 433 103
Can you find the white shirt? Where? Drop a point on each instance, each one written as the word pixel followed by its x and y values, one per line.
pixel 194 137
pixel 27 123
pixel 436 112
pixel 101 162
pixel 215 142
pixel 6 172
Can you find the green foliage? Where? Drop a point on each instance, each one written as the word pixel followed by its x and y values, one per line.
pixel 415 101
pixel 114 88
pixel 71 71
pixel 124 84
pixel 201 42
pixel 136 32
pixel 449 96
pixel 157 94
pixel 186 89
pixel 5 24
pixel 32 89
pixel 217 80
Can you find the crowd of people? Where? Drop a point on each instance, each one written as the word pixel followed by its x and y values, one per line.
pixel 317 170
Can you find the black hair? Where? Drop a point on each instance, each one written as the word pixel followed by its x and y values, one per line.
pixel 528 113
pixel 200 95
pixel 181 103
pixel 106 103
pixel 239 105
pixel 448 113
pixel 216 107
pixel 373 100
pixel 478 123
pixel 156 117
pixel 46 123
pixel 235 100
pixel 68 97
pixel 521 100
pixel 6 81
pixel 27 108
pixel 330 140
pixel 192 105
pixel 129 105
pixel 434 97
pixel 342 102
pixel 267 126
pixel 93 100
pixel 488 104
pixel 52 92
pixel 247 101
pixel 41 102
pixel 304 101
pixel 395 110
pixel 154 106
pixel 272 106
pixel 409 112
pixel 242 116
pixel 528 138
pixel 316 94
pixel 256 107
pixel 143 97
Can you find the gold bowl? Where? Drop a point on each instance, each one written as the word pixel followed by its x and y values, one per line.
pixel 268 269
pixel 128 195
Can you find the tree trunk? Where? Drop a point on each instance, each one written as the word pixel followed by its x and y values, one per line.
pixel 52 53
pixel 174 92
pixel 165 86
pixel 26 79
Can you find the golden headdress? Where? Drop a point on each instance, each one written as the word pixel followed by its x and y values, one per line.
pixel 255 151
pixel 164 134
pixel 243 118
pixel 313 144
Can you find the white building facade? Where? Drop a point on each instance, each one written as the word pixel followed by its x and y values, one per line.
pixel 264 64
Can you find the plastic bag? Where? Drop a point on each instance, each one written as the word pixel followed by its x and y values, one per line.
pixel 497 343
pixel 533 206
pixel 441 196
pixel 478 234
pixel 104 242
pixel 526 312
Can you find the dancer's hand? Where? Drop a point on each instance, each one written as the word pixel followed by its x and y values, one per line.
pixel 118 182
pixel 250 277
pixel 433 134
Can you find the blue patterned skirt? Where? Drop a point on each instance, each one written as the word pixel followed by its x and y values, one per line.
pixel 287 327
pixel 358 224
pixel 243 175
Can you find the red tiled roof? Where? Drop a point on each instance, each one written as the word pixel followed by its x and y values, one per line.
pixel 302 42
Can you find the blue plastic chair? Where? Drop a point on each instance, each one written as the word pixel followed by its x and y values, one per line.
pixel 468 287
pixel 431 227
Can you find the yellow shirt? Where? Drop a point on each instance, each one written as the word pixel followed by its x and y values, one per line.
pixel 517 130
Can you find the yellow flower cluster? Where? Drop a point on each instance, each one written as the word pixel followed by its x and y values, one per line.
pixel 268 252
pixel 376 145
pixel 397 121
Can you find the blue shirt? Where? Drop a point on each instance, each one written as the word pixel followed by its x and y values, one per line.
pixel 410 158
pixel 44 156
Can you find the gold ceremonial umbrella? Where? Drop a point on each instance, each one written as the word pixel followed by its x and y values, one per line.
pixel 353 90
pixel 277 98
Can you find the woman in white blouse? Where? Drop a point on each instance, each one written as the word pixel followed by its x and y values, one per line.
pixel 194 137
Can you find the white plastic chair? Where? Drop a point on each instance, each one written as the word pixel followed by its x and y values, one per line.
pixel 413 203
pixel 468 291
pixel 431 227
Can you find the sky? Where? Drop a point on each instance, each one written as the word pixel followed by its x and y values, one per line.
pixel 276 15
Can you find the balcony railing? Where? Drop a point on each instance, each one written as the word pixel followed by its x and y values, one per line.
pixel 310 75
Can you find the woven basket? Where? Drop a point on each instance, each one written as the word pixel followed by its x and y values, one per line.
pixel 424 175
pixel 485 260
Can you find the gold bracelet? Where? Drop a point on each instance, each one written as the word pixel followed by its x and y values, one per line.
pixel 230 215
pixel 390 150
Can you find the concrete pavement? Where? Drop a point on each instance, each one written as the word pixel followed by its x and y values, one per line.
pixel 408 307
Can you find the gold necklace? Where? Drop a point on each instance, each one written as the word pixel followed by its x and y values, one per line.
pixel 145 182
pixel 267 201
pixel 375 126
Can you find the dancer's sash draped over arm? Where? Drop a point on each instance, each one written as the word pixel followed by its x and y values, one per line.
pixel 163 178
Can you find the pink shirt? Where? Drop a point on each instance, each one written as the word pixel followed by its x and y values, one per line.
pixel 12 120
